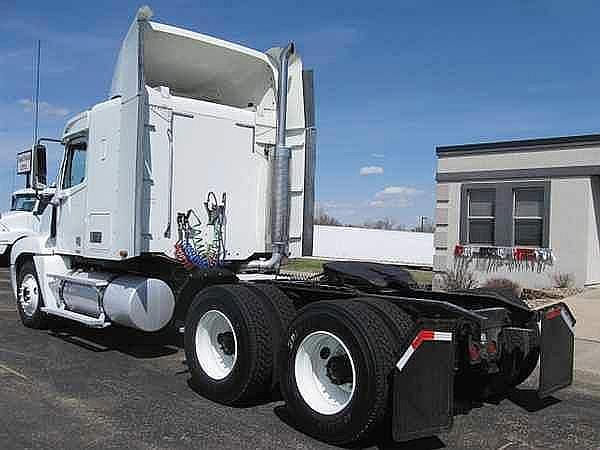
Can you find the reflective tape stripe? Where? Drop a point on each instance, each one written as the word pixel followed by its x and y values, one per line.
pixel 407 354
pixel 560 311
pixel 567 319
pixel 422 336
pixel 443 336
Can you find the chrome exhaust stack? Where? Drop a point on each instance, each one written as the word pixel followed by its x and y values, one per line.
pixel 280 177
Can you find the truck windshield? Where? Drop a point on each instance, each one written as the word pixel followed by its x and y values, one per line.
pixel 23 202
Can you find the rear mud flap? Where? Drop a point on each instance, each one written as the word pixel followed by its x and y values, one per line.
pixel 424 383
pixel 556 349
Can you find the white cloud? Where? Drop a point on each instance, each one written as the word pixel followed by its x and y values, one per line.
pixel 377 155
pixel 371 170
pixel 395 197
pixel 46 109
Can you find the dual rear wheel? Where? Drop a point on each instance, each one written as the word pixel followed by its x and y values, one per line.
pixel 332 360
pixel 232 336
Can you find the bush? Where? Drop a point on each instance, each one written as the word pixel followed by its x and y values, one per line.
pixel 460 277
pixel 504 283
pixel 563 280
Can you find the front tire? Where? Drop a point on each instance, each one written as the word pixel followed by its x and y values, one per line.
pixel 335 370
pixel 29 297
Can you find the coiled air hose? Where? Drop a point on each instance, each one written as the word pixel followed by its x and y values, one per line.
pixel 190 250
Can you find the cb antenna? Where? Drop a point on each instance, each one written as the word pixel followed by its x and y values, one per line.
pixel 36 101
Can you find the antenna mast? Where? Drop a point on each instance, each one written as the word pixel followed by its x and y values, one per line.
pixel 36 106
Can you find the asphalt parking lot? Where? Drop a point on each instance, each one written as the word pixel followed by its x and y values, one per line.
pixel 74 387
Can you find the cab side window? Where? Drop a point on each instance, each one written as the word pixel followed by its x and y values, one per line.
pixel 75 164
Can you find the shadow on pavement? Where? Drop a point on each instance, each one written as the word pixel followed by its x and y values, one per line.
pixel 125 340
pixel 529 400
pixel 265 399
pixel 380 442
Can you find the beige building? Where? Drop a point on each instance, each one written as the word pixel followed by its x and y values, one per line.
pixel 524 210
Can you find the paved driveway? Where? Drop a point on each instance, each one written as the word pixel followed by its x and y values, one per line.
pixel 115 388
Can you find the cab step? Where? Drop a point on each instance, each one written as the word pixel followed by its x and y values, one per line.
pixel 91 322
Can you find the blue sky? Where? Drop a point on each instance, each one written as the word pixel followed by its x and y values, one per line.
pixel 393 79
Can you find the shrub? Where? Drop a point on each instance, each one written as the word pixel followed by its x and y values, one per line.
pixel 505 284
pixel 563 280
pixel 460 277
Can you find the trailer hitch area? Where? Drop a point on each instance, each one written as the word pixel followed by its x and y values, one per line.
pixel 556 348
pixel 486 347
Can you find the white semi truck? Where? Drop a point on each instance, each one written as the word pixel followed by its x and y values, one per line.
pixel 177 200
pixel 20 221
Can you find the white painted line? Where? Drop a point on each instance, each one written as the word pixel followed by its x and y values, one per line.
pixel 13 372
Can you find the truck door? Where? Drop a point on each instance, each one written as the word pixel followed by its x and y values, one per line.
pixel 70 198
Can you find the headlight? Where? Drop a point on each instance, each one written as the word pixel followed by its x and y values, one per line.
pixel 3 227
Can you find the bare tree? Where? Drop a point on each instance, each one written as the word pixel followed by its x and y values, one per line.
pixel 424 226
pixel 322 218
pixel 387 223
pixel 461 276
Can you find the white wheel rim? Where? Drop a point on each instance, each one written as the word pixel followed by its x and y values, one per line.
pixel 216 344
pixel 29 295
pixel 313 381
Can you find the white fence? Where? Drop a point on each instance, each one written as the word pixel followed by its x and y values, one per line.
pixel 397 247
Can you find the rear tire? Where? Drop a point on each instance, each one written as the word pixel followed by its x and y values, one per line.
pixel 338 401
pixel 29 297
pixel 398 320
pixel 514 368
pixel 528 362
pixel 228 345
pixel 278 302
pixel 281 311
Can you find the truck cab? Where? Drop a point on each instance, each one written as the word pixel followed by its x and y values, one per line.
pixel 201 156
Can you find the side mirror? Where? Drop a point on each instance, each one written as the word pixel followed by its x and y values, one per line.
pixel 38 167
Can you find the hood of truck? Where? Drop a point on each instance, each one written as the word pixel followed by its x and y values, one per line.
pixel 16 220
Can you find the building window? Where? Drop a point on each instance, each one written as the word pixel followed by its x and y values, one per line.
pixel 481 216
pixel 505 214
pixel 529 217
